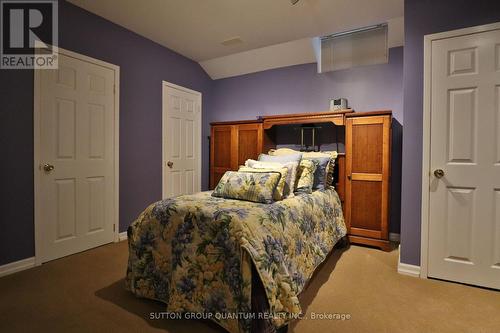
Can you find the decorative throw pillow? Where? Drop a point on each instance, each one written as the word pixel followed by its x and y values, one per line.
pixel 323 175
pixel 331 166
pixel 280 188
pixel 249 186
pixel 320 172
pixel 332 154
pixel 290 177
pixel 306 176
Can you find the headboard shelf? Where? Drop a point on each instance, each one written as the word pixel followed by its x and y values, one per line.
pixel 362 170
pixel 236 122
pixel 336 117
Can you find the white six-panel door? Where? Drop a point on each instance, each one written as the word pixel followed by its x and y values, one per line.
pixel 464 200
pixel 75 175
pixel 181 141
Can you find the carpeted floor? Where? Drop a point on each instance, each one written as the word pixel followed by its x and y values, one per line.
pixel 84 293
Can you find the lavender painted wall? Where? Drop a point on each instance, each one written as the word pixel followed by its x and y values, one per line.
pixel 424 17
pixel 143 66
pixel 300 88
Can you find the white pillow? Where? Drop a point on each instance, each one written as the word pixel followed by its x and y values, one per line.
pixel 262 165
pixel 288 151
pixel 283 151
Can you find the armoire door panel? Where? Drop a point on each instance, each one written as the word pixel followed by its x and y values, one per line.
pixel 222 142
pixel 248 147
pixel 366 205
pixel 366 143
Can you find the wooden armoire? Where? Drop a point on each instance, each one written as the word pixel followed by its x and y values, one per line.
pixel 362 172
pixel 231 144
pixel 368 157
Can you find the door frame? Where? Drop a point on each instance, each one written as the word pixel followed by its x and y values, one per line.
pixel 36 140
pixel 426 145
pixel 199 95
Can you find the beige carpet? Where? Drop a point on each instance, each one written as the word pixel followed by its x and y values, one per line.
pixel 84 293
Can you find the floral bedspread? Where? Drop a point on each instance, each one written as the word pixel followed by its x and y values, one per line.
pixel 195 252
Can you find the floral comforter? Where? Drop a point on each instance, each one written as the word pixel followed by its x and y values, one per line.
pixel 195 252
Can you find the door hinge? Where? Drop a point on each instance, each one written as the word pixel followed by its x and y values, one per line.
pixel 114 88
pixel 114 227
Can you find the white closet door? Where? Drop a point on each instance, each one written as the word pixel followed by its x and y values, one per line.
pixel 76 171
pixel 181 141
pixel 464 217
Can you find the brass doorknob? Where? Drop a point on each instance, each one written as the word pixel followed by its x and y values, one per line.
pixel 48 167
pixel 439 173
pixel 170 164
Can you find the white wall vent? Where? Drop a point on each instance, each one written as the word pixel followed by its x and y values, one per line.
pixel 365 46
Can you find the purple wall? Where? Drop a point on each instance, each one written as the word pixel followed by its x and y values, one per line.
pixel 424 17
pixel 143 66
pixel 300 88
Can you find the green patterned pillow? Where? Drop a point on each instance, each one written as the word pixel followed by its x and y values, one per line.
pixel 279 192
pixel 305 176
pixel 249 186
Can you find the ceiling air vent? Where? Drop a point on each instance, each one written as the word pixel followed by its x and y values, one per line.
pixel 365 46
pixel 232 41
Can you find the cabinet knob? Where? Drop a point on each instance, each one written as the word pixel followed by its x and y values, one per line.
pixel 170 164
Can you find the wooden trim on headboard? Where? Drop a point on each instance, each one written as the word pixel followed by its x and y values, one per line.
pixel 369 113
pixel 306 118
pixel 236 122
pixel 306 114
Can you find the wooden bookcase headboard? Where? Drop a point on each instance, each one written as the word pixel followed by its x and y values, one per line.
pixel 361 173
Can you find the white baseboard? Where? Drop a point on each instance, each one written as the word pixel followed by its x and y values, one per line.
pixel 393 237
pixel 17 266
pixel 410 270
pixel 122 236
pixel 407 269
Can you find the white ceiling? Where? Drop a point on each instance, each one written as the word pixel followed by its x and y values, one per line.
pixel 296 52
pixel 196 28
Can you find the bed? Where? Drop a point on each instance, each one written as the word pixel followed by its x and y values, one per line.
pixel 197 254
